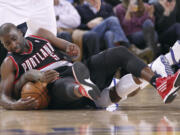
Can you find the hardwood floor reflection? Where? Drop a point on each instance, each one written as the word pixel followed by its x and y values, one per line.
pixel 144 114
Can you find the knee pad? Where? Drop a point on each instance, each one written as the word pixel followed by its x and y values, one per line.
pixel 126 86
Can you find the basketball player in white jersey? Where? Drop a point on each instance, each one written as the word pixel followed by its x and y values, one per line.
pixel 36 13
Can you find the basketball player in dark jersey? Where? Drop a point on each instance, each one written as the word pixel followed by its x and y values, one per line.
pixel 36 53
pixel 20 15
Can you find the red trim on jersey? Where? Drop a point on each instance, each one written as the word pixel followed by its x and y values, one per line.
pixel 45 66
pixel 39 38
pixel 16 65
pixel 31 48
pixel 16 81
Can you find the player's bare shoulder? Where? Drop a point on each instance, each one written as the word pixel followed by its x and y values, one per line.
pixel 7 66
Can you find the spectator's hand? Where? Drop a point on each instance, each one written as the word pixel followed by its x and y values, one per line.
pixel 73 51
pixel 132 7
pixel 168 6
pixel 60 30
pixel 25 104
pixel 95 3
pixel 172 5
pixel 150 10
pixel 70 30
pixel 91 24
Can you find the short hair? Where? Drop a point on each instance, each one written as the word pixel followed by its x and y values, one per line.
pixel 6 27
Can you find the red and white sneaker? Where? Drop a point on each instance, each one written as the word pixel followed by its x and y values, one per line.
pixel 86 87
pixel 168 86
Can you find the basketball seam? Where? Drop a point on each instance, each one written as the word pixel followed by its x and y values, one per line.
pixel 42 93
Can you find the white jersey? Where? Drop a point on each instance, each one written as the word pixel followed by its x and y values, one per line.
pixel 36 13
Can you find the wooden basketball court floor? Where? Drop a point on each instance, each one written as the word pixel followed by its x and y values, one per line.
pixel 144 114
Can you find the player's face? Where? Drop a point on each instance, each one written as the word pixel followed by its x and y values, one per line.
pixel 13 41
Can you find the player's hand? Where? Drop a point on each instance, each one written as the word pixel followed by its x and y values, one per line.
pixel 49 76
pixel 46 76
pixel 73 51
pixel 25 104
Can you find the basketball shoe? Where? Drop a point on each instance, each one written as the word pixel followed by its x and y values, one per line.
pixel 161 66
pixel 168 86
pixel 86 87
pixel 174 53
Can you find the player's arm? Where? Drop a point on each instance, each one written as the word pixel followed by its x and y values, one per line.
pixel 7 86
pixel 34 76
pixel 68 47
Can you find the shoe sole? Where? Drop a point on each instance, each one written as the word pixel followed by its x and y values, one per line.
pixel 81 72
pixel 169 98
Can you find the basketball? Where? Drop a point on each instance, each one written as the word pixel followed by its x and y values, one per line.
pixel 38 91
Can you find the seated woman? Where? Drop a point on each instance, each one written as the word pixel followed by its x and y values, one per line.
pixel 137 21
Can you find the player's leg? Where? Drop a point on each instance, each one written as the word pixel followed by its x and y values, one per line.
pixel 160 65
pixel 70 89
pixel 105 65
pixel 86 87
pixel 64 92
pixel 127 85
pixel 123 88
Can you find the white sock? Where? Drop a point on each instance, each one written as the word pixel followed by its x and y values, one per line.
pixel 104 99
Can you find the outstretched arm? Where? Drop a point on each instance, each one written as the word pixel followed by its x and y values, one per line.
pixel 70 48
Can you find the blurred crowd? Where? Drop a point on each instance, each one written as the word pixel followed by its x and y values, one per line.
pixel 148 28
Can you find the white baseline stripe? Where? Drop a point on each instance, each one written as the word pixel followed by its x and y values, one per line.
pixel 56 65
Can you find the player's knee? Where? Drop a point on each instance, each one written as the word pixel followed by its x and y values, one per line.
pixel 121 50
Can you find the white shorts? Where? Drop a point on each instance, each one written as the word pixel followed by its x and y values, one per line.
pixel 36 13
